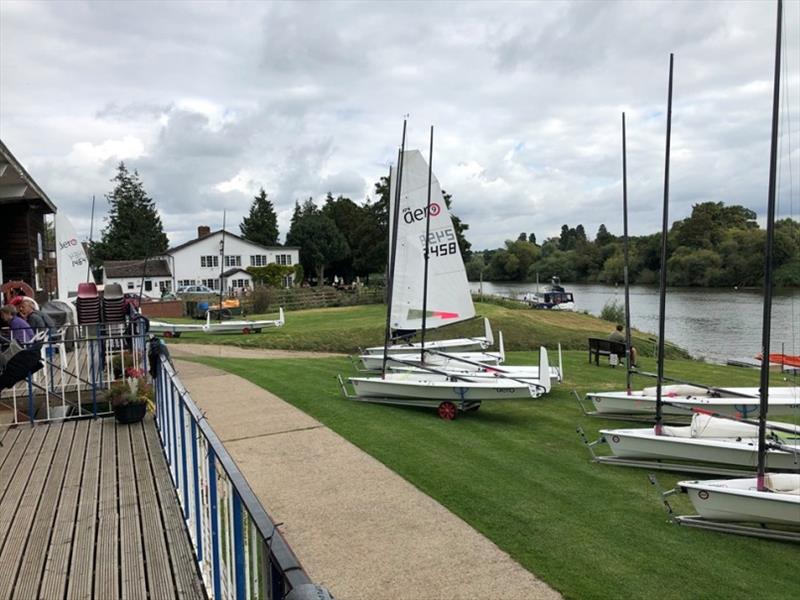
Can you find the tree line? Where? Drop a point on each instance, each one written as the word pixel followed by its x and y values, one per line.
pixel 715 246
pixel 338 238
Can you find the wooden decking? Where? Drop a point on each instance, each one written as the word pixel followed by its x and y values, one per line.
pixel 87 510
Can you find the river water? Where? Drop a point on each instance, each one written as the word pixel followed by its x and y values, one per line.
pixel 715 324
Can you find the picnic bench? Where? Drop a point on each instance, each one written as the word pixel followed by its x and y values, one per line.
pixel 604 347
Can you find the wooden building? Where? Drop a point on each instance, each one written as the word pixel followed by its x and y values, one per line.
pixel 23 206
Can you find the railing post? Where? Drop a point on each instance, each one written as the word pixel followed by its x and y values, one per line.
pixel 238 548
pixel 196 477
pixel 212 493
pixel 183 462
pixel 30 399
pixel 90 346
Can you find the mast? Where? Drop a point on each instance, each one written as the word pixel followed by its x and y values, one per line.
pixel 425 251
pixel 768 252
pixel 662 294
pixel 221 267
pixel 395 210
pixel 625 254
pixel 91 233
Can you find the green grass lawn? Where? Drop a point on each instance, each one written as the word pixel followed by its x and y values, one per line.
pixel 517 472
pixel 348 328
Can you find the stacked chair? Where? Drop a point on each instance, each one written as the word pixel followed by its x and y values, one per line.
pixel 88 304
pixel 113 304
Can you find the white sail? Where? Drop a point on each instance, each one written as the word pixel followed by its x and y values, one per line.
pixel 71 260
pixel 449 299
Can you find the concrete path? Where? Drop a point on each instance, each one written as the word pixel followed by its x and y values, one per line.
pixel 357 527
pixel 222 351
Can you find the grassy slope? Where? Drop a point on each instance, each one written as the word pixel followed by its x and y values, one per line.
pixel 348 328
pixel 516 471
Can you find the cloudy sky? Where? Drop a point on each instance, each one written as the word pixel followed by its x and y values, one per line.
pixel 210 101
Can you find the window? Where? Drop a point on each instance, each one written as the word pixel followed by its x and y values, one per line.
pixel 130 285
pixel 283 259
pixel 165 286
pixel 240 283
pixel 258 260
pixel 233 261
pixel 211 283
pixel 185 282
pixel 212 260
pixel 148 286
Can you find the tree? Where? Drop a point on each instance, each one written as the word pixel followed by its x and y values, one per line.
pixel 261 225
pixel 320 241
pixel 134 229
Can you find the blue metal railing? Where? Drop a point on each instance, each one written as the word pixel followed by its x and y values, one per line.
pixel 78 364
pixel 240 552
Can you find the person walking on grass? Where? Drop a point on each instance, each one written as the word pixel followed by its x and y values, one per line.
pixel 618 336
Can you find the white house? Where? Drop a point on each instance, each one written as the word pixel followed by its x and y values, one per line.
pixel 197 262
pixel 153 276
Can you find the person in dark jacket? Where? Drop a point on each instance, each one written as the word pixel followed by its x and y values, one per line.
pixel 38 322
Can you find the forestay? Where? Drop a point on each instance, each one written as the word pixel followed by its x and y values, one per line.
pixel 449 299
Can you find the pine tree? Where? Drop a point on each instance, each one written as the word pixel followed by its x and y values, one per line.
pixel 134 229
pixel 261 226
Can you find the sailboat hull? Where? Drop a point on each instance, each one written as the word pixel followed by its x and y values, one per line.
pixel 738 500
pixel 454 345
pixel 642 443
pixel 438 388
pixel 374 362
pixel 782 402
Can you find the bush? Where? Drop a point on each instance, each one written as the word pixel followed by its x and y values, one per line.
pixel 613 311
pixel 260 299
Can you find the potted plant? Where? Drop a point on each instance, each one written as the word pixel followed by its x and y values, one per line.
pixel 129 398
pixel 121 361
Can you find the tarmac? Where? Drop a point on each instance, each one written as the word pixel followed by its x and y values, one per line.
pixel 357 527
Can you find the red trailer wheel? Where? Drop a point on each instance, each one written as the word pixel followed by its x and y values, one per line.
pixel 167 334
pixel 447 411
pixel 246 330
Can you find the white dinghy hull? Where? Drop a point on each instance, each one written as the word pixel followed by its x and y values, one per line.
pixel 783 401
pixel 438 388
pixel 472 344
pixel 738 500
pixel 238 326
pixel 645 444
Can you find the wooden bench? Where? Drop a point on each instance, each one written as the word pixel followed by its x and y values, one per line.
pixel 601 346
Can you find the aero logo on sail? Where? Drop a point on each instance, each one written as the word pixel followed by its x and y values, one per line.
pixel 410 216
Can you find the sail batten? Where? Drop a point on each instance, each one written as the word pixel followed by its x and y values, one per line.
pixel 448 298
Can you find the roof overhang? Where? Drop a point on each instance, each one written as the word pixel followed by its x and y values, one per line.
pixel 17 186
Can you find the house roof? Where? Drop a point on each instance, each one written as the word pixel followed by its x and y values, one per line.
pixel 228 233
pixel 235 270
pixel 156 267
pixel 17 186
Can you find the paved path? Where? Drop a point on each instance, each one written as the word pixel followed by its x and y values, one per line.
pixel 357 527
pixel 222 351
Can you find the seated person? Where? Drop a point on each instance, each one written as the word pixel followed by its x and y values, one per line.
pixel 618 336
pixel 37 320
pixel 20 330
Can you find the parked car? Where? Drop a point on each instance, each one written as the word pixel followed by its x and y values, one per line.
pixel 195 289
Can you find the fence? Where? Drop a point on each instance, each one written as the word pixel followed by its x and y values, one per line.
pixel 238 547
pixel 265 299
pixel 79 362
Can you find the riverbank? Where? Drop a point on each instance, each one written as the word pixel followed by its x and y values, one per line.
pixel 714 324
pixel 346 329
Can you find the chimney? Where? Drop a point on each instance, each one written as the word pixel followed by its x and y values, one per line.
pixel 203 231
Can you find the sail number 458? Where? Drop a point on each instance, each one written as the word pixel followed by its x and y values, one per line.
pixel 442 249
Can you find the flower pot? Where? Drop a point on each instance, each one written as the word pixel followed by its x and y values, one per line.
pixel 130 413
